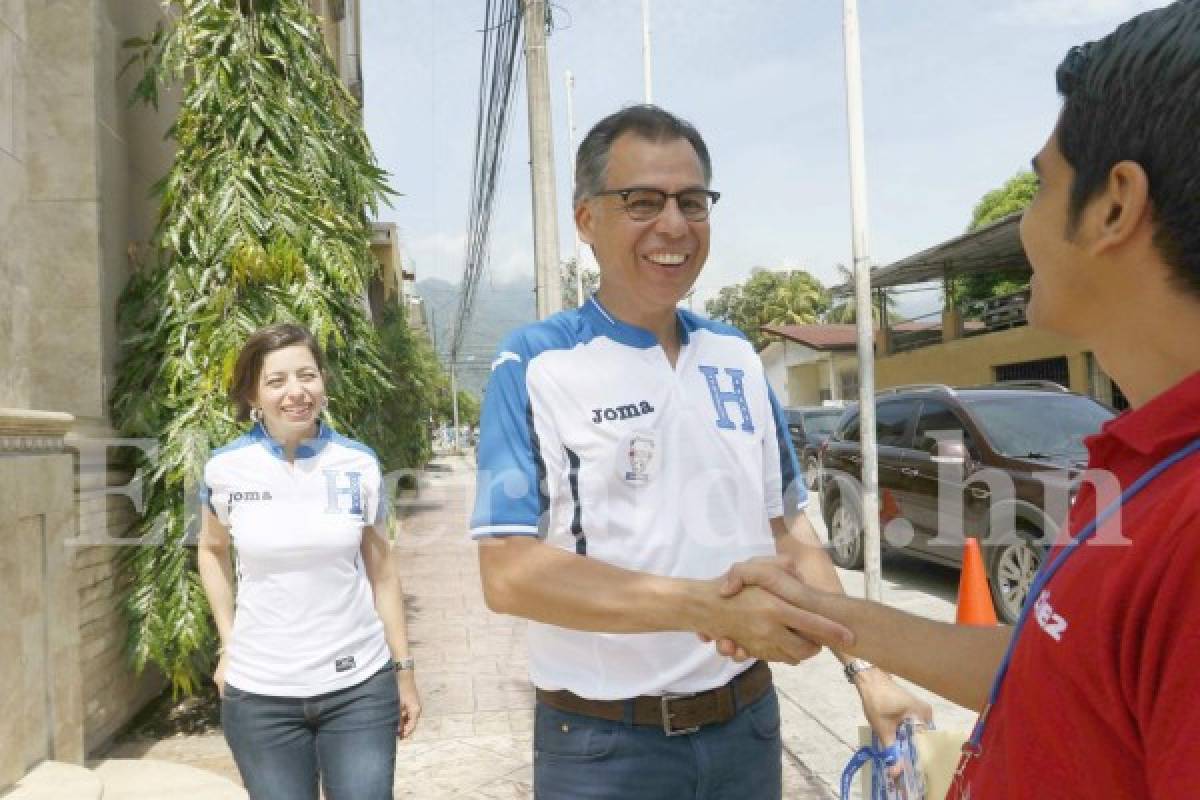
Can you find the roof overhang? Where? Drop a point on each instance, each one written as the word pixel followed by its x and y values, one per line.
pixel 994 248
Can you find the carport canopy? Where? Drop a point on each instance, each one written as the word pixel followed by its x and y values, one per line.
pixel 994 248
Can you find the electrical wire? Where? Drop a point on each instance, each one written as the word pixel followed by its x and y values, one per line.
pixel 499 69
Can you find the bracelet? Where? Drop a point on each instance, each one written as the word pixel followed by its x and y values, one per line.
pixel 404 664
pixel 855 666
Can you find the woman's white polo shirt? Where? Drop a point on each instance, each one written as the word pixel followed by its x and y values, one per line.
pixel 305 620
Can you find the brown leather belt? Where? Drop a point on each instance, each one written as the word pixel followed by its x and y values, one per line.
pixel 675 713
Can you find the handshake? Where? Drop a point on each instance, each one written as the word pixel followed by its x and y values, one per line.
pixel 762 608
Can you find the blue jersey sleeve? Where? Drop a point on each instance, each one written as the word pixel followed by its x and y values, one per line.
pixel 510 490
pixel 785 491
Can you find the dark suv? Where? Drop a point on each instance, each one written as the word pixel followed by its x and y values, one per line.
pixel 808 428
pixel 1030 432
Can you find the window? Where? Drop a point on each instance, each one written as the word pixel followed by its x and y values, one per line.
pixel 849 384
pixel 1044 369
pixel 891 423
pixel 937 417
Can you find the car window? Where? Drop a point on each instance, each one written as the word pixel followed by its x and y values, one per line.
pixel 938 417
pixel 891 423
pixel 821 421
pixel 1038 424
pixel 850 429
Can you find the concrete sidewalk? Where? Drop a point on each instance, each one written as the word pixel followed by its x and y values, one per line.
pixel 474 738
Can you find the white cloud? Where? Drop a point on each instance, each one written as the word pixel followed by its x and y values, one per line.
pixel 1068 13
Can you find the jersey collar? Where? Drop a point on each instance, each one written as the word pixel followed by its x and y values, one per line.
pixel 627 334
pixel 306 449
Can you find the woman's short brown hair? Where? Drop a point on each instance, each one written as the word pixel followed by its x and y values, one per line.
pixel 249 364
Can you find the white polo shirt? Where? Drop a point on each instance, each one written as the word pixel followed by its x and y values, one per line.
pixel 593 442
pixel 305 620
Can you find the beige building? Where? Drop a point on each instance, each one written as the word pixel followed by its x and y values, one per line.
pixel 811 364
pixel 76 165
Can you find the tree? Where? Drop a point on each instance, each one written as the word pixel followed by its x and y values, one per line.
pixel 262 218
pixel 1015 195
pixel 782 297
pixel 591 282
pixel 418 377
pixel 843 308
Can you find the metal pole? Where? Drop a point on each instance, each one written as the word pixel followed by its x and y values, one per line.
pixel 862 295
pixel 571 160
pixel 454 403
pixel 541 161
pixel 646 50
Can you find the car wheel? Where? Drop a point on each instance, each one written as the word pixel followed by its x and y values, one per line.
pixel 845 535
pixel 811 469
pixel 1013 567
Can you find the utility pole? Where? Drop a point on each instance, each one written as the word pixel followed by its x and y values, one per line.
pixel 646 50
pixel 571 162
pixel 862 295
pixel 541 161
pixel 454 401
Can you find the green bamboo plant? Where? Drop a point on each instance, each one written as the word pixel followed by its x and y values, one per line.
pixel 262 218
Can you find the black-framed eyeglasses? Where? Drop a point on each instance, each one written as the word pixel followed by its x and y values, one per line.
pixel 646 204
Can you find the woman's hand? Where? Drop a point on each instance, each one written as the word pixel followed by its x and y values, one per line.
pixel 410 703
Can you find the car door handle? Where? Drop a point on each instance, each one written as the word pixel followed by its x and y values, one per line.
pixel 980 494
pixel 910 472
pixel 854 458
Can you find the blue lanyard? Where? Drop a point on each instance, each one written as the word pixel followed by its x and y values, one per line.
pixel 1043 577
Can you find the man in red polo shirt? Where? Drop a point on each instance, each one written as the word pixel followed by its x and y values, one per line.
pixel 1100 695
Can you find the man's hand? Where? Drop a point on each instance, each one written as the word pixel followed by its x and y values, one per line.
pixel 780 576
pixel 766 627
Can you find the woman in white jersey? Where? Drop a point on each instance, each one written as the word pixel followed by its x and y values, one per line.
pixel 314 673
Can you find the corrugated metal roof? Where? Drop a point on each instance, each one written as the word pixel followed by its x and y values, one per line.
pixel 994 248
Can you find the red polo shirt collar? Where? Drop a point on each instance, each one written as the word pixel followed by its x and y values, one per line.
pixel 1171 419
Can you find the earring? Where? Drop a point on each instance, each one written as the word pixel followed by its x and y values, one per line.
pixel 324 403
pixel 256 415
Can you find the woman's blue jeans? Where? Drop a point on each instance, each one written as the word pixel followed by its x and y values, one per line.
pixel 345 739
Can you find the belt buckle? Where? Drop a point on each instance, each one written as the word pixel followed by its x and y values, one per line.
pixel 665 704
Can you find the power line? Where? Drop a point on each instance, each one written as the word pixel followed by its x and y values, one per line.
pixel 498 69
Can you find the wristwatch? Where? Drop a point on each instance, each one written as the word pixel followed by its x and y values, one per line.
pixel 854 666
pixel 404 663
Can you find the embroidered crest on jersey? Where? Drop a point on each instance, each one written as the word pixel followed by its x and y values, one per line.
pixel 721 398
pixel 637 457
pixel 343 486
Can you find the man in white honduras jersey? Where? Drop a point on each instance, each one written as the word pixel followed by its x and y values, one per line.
pixel 631 453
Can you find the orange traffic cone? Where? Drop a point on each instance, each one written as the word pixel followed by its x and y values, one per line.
pixel 974 599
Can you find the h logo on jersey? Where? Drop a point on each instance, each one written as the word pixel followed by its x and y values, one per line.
pixel 337 489
pixel 721 399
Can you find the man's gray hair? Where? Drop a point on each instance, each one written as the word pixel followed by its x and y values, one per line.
pixel 647 121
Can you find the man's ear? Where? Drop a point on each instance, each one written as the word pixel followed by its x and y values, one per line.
pixel 584 222
pixel 1122 210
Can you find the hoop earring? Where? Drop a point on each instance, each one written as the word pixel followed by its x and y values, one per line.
pixel 256 415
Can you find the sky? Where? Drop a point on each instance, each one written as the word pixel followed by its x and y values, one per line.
pixel 958 96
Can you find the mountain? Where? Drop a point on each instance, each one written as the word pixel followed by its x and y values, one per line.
pixel 500 306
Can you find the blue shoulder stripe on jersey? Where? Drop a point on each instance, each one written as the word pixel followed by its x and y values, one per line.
pixel 692 322
pixel 353 444
pixel 510 494
pixel 205 492
pixel 789 467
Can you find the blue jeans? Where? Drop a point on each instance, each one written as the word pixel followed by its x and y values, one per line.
pixel 346 739
pixel 585 758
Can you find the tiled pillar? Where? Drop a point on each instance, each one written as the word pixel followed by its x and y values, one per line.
pixel 39 606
